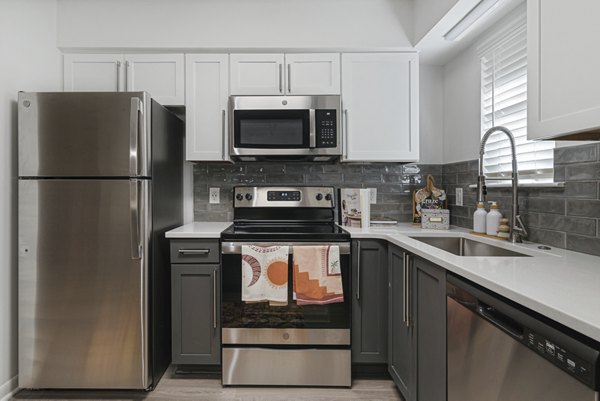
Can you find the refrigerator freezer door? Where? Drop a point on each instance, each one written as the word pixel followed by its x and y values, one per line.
pixel 82 285
pixel 84 134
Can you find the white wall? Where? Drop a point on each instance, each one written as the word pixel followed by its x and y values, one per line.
pixel 232 23
pixel 30 62
pixel 431 109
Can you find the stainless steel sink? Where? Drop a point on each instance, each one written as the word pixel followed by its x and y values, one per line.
pixel 467 247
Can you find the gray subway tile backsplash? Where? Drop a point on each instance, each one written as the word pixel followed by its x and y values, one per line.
pixel 566 217
pixel 576 154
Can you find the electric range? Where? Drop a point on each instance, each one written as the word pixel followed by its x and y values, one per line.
pixel 289 344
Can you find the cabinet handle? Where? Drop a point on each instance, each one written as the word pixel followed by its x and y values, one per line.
pixel 289 78
pixel 118 76
pixel 280 78
pixel 126 75
pixel 404 287
pixel 223 132
pixel 407 263
pixel 358 269
pixel 194 251
pixel 215 299
pixel 345 137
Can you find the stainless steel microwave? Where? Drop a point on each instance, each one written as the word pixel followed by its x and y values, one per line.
pixel 285 128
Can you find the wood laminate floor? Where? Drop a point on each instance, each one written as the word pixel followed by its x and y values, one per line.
pixel 203 387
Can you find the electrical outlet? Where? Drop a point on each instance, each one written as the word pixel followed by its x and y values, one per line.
pixel 459 196
pixel 214 195
pixel 372 196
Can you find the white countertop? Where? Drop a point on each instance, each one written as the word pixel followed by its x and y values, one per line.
pixel 560 284
pixel 199 229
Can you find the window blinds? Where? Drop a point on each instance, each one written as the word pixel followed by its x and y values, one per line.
pixel 504 103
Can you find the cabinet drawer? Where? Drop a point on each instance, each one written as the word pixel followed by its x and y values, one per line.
pixel 194 251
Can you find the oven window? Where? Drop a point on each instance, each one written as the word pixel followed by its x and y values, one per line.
pixel 271 128
pixel 239 314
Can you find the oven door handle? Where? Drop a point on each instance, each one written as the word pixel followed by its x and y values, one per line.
pixel 235 248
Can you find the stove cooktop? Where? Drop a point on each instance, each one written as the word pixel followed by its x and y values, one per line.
pixel 285 232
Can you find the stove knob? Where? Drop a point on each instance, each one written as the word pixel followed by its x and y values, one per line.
pixel 328 197
pixel 239 197
pixel 319 197
pixel 249 197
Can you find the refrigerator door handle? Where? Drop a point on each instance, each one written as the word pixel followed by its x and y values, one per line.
pixel 134 224
pixel 136 109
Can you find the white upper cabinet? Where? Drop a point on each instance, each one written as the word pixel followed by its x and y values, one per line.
pixel 93 72
pixel 161 75
pixel 206 97
pixel 257 74
pixel 380 100
pixel 289 74
pixel 312 74
pixel 563 68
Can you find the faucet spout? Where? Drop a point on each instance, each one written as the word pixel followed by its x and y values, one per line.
pixel 517 228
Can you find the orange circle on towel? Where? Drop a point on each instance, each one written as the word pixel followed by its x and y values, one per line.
pixel 277 273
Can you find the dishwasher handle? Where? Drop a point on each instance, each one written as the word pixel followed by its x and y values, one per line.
pixel 501 321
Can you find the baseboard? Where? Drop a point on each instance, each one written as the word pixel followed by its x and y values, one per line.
pixel 8 389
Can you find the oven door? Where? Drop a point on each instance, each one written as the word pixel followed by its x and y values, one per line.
pixel 260 323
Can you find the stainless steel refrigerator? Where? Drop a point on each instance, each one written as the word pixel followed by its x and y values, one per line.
pixel 100 181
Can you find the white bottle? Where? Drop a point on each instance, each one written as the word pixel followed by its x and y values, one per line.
pixel 479 219
pixel 493 220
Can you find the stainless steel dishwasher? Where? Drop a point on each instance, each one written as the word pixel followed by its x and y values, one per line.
pixel 499 352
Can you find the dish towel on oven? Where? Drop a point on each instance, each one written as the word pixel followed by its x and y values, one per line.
pixel 317 275
pixel 265 274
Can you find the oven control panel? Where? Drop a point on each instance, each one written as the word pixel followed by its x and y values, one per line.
pixel 289 196
pixel 307 197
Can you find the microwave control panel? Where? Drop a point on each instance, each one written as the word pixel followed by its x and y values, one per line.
pixel 326 127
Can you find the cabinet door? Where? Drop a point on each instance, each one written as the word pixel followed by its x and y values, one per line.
pixel 195 305
pixel 381 106
pixel 159 74
pixel 369 301
pixel 400 334
pixel 562 67
pixel 312 74
pixel 206 97
pixel 93 73
pixel 429 314
pixel 257 74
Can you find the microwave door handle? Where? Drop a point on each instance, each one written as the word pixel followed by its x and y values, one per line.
pixel 312 137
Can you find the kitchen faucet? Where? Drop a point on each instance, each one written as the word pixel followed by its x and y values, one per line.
pixel 517 228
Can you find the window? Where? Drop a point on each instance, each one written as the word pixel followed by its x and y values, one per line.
pixel 504 103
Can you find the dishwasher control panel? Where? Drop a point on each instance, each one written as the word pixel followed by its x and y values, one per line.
pixel 561 357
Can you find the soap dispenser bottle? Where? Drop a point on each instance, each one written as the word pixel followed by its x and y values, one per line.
pixel 493 220
pixel 480 219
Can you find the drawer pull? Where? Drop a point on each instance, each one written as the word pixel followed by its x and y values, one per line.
pixel 194 251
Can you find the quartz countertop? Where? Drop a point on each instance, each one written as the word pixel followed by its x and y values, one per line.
pixel 557 283
pixel 199 229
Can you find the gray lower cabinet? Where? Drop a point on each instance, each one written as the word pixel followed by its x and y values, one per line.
pixel 369 302
pixel 417 326
pixel 401 341
pixel 429 316
pixel 195 302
